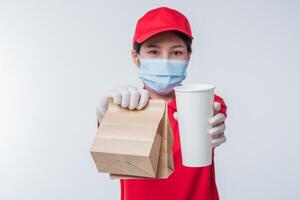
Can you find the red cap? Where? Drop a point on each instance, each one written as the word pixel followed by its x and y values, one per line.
pixel 158 20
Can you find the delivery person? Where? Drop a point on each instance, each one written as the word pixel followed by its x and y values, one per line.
pixel 161 50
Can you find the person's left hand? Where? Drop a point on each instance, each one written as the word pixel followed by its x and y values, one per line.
pixel 218 126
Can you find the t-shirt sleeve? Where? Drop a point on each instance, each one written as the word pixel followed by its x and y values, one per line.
pixel 220 100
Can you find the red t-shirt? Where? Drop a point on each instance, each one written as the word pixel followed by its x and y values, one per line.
pixel 185 183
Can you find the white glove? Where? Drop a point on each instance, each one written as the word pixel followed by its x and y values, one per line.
pixel 126 96
pixel 218 126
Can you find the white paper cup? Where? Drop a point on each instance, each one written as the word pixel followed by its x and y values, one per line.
pixel 194 110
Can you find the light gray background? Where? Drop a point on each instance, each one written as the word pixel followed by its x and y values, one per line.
pixel 57 58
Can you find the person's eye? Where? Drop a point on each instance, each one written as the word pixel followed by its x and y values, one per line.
pixel 177 53
pixel 153 52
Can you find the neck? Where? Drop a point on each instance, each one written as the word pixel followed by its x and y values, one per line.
pixel 167 97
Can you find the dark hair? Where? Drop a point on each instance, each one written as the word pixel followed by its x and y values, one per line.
pixel 186 40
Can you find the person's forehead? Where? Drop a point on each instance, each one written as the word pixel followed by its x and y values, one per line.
pixel 163 39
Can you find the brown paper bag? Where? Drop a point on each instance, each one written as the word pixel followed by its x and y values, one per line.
pixel 165 163
pixel 129 142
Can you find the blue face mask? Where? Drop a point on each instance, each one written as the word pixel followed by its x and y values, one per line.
pixel 162 75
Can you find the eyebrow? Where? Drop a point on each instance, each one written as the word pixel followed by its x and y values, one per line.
pixel 175 46
pixel 152 45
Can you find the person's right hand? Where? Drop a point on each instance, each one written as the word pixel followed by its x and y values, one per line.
pixel 126 96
